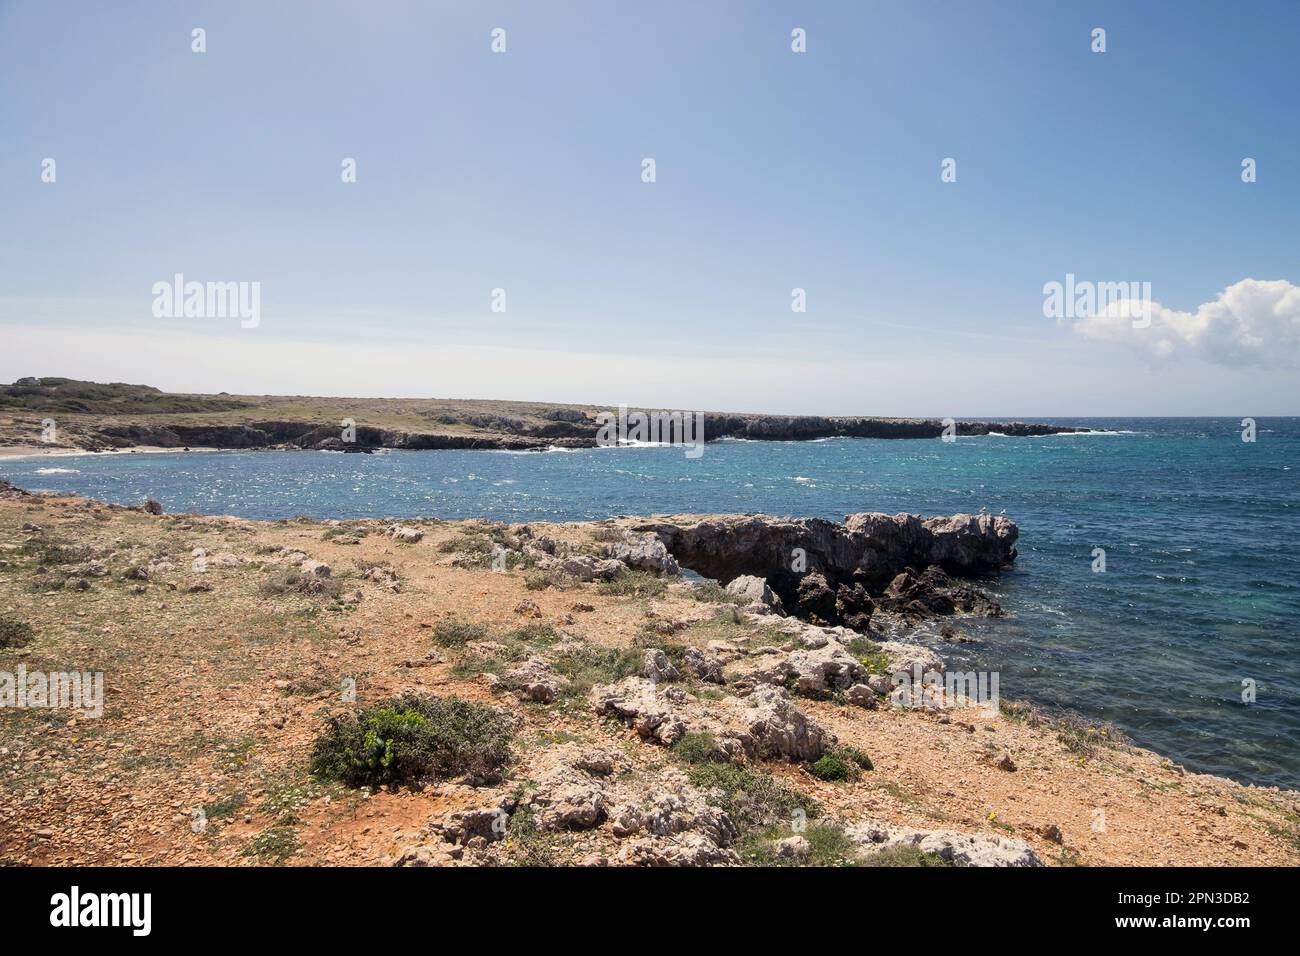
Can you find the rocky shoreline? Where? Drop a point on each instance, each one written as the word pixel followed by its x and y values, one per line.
pixel 569 432
pixel 624 715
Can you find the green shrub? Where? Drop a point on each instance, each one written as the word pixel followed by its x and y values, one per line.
pixel 754 800
pixel 15 633
pixel 696 747
pixel 411 739
pixel 454 633
pixel 829 845
pixel 841 763
pixel 831 767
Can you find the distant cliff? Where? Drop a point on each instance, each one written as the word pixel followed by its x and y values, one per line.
pixel 97 416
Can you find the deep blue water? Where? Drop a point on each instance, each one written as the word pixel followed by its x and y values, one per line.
pixel 1201 532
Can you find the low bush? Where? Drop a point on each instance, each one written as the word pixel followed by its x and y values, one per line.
pixel 15 633
pixel 412 739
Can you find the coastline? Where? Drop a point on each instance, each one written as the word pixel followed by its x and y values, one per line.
pixel 271 659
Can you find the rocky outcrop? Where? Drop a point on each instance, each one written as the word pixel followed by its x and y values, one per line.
pixel 831 573
pixel 873 546
pixel 754 591
pixel 962 849
pixel 645 552
pixel 766 725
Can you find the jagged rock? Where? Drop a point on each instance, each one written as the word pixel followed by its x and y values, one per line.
pixel 815 599
pixel 658 668
pixel 317 569
pixel 534 679
pixel 861 695
pixel 92 569
pixel 822 664
pixel 1004 762
pixel 672 812
pixel 916 659
pixel 795 848
pixel 646 553
pixel 584 567
pixel 934 592
pixel 853 606
pixel 405 534
pixel 775 728
pixel 566 798
pixel 706 667
pixel 842 565
pixel 635 700
pixel 975 849
pixel 528 608
pixel 690 849
pixel 759 597
pixel 152 507
pixel 383 576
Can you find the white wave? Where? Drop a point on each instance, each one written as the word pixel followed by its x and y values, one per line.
pixel 58 471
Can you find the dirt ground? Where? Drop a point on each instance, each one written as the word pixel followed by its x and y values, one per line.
pixel 216 688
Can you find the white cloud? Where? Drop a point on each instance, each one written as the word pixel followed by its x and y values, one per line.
pixel 1251 323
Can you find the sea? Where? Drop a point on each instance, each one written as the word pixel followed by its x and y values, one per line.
pixel 1185 637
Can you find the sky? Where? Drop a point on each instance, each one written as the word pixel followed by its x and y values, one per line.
pixel 774 170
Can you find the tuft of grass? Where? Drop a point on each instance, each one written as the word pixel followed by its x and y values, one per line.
pixel 870 655
pixel 696 747
pixel 904 854
pixel 527 844
pixel 711 592
pixel 1078 734
pixel 55 552
pixel 411 739
pixel 634 583
pixel 293 581
pixel 829 845
pixel 588 665
pixel 15 633
pixel 754 800
pixel 225 807
pixel 455 633
pixel 276 844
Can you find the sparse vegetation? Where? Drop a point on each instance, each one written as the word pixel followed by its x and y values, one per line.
pixel 754 800
pixel 15 633
pixel 457 633
pixel 412 739
pixel 276 844
pixel 904 854
pixel 633 583
pixel 293 581
pixel 590 664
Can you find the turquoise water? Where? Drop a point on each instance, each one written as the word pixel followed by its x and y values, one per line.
pixel 1201 532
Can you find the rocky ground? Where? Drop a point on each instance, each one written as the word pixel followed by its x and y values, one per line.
pixel 648 719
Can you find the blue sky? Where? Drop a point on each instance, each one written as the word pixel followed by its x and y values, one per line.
pixel 775 170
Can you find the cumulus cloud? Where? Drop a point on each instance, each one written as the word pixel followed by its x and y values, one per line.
pixel 1251 323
